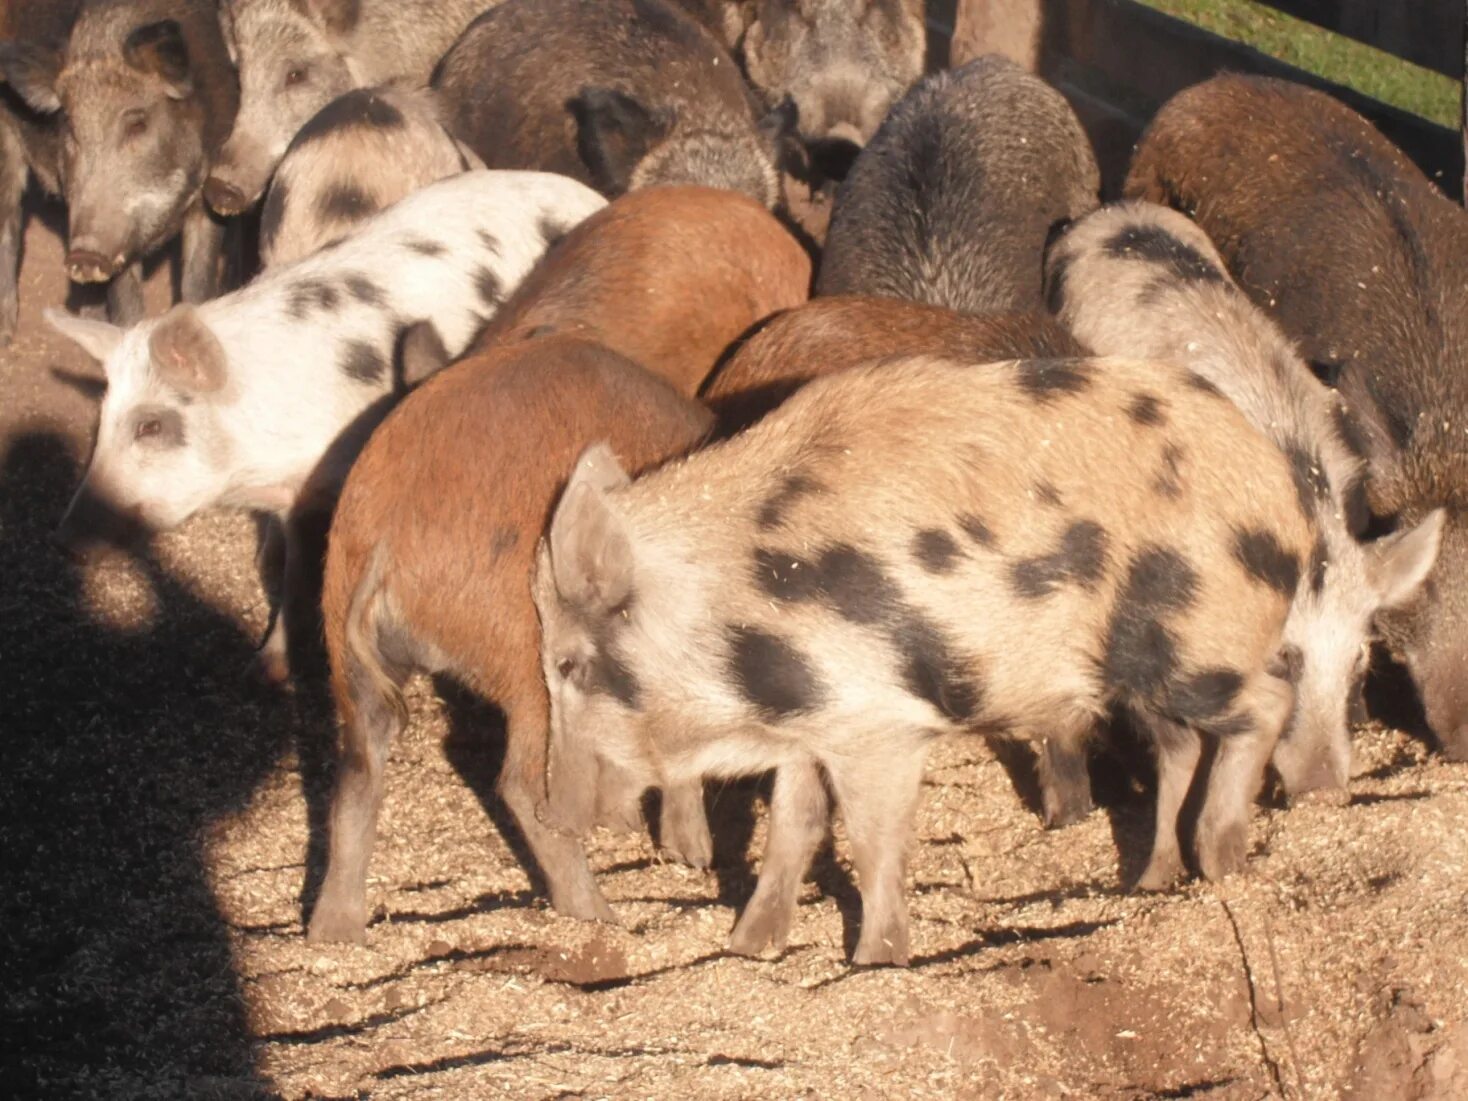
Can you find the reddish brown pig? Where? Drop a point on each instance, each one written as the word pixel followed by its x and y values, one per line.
pixel 429 569
pixel 669 277
pixel 833 333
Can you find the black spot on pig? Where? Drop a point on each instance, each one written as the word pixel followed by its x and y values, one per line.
pixel 608 673
pixel 931 670
pixel 361 107
pixel 1046 379
pixel 1266 560
pixel 491 290
pixel 1080 557
pixel 935 550
pixel 975 528
pixel 1203 696
pixel 1319 563
pixel 785 577
pixel 1312 486
pixel 771 674
pixel 424 247
pixel 1141 653
pixel 362 362
pixel 273 213
pixel 1195 381
pixel 311 294
pixel 1047 494
pixel 344 202
pixel 1157 246
pixel 1168 481
pixel 364 290
pixel 1147 409
pixel 791 489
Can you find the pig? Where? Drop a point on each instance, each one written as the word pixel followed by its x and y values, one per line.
pixel 144 94
pixel 30 141
pixel 727 20
pixel 840 331
pixel 843 63
pixel 1359 259
pixel 362 152
pixel 296 56
pixel 429 569
pixel 669 277
pixel 889 556
pixel 258 399
pixel 954 199
pixel 620 94
pixel 1142 280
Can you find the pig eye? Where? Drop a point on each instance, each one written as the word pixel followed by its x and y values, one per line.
pixel 148 428
pixel 565 667
pixel 134 123
pixel 296 76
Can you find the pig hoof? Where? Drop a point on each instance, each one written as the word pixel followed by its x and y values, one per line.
pixel 881 953
pixel 1162 873
pixel 588 905
pixel 762 924
pixel 1222 852
pixel 622 819
pixel 690 844
pixel 337 925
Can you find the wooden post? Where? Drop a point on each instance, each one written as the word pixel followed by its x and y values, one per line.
pixel 1464 114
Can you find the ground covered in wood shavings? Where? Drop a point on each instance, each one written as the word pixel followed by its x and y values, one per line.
pixel 161 828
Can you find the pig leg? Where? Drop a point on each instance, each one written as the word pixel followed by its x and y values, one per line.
pixel 561 857
pixel 273 659
pixel 1065 785
pixel 878 796
pixel 1179 750
pixel 12 189
pixel 799 811
pixel 684 828
pixel 1237 772
pixel 203 254
pixel 125 296
pixel 372 717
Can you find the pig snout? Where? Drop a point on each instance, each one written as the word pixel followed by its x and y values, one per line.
pixel 93 523
pixel 224 197
pixel 571 788
pixel 86 263
pixel 1321 787
pixel 834 154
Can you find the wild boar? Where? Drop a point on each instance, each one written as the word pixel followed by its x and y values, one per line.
pixel 296 56
pixel 362 152
pixel 836 332
pixel 429 569
pixel 258 399
pixel 953 201
pixel 620 94
pixel 669 277
pixel 145 94
pixel 1142 280
pixel 30 141
pixel 843 63
pixel 1340 238
pixel 889 556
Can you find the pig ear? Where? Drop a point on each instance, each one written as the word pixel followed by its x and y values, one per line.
pixel 421 353
pixel 186 353
pixel 337 16
pixel 97 338
pixel 159 48
pixel 32 70
pixel 613 133
pixel 1399 563
pixel 591 553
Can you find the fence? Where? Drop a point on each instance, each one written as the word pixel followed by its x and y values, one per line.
pixel 1119 60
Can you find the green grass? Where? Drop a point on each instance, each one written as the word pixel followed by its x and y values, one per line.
pixel 1332 56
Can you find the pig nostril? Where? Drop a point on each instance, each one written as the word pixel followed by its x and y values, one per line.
pixel 224 197
pixel 86 266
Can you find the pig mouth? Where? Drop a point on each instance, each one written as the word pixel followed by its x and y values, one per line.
pixel 90 266
pixel 94 524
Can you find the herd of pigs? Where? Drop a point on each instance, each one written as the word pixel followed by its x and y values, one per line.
pixel 601 432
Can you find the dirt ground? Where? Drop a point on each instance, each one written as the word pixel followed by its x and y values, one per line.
pixel 161 826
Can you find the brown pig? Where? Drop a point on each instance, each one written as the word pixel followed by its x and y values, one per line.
pixel 429 565
pixel 669 277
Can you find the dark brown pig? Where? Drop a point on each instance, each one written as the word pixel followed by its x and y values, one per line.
pixel 1360 260
pixel 429 569
pixel 616 93
pixel 668 277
